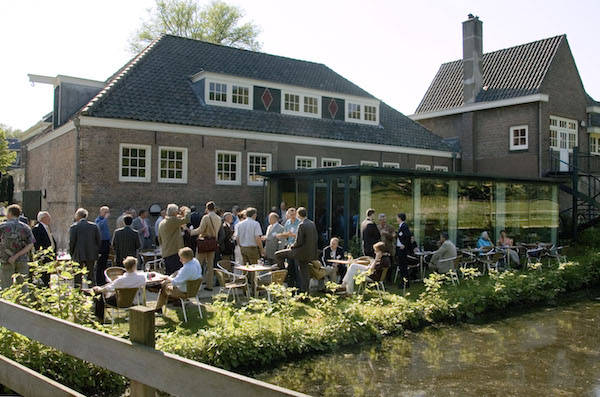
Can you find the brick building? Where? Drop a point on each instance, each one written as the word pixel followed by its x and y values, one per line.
pixel 187 121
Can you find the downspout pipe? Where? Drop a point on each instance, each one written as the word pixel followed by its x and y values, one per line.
pixel 76 123
pixel 539 139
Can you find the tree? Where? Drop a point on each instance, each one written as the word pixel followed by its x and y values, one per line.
pixel 7 157
pixel 217 23
pixel 10 132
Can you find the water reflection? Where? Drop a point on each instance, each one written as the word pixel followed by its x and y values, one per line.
pixel 551 352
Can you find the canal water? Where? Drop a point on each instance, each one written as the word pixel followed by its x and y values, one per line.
pixel 550 352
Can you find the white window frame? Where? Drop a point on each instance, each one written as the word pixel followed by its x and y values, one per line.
pixel 238 168
pixel 221 93
pixel 312 159
pixel 184 165
pixel 387 164
pixel 370 113
pixel 229 102
pixel 317 104
pixel 148 167
pixel 332 160
pixel 370 163
pixel 440 168
pixel 301 95
pixel 359 110
pixel 362 119
pixel 512 130
pixel 597 145
pixel 563 130
pixel 249 181
pixel 422 167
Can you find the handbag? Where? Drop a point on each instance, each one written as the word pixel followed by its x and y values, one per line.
pixel 207 244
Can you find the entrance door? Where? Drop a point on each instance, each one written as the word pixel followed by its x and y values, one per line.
pixel 563 142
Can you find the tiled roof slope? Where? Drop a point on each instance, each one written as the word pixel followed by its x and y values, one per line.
pixel 591 101
pixel 507 73
pixel 157 87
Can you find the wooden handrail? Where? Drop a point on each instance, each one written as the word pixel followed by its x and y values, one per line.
pixel 163 371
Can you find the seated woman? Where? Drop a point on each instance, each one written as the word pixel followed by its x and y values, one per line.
pixel 505 241
pixel 334 251
pixel 484 241
pixel 374 270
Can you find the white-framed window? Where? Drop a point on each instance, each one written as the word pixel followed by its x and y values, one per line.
pixel 354 111
pixel 228 168
pixel 422 167
pixel 518 137
pixel 240 95
pixel 595 144
pixel 134 162
pixel 440 168
pixel 329 162
pixel 563 133
pixel 291 102
pixel 258 162
pixel 369 163
pixel 370 113
pixel 305 162
pixel 387 164
pixel 311 104
pixel 217 92
pixel 172 164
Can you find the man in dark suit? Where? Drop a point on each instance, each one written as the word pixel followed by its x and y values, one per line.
pixel 125 241
pixel 403 245
pixel 369 234
pixel 304 250
pixel 84 242
pixel 44 240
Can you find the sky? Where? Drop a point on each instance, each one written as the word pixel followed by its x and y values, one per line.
pixel 390 48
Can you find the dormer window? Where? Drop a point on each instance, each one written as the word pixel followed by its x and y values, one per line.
pixel 311 105
pixel 217 92
pixel 292 102
pixel 239 95
pixel 370 113
pixel 354 111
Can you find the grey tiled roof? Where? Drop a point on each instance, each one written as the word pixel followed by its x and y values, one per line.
pixel 591 101
pixel 156 86
pixel 507 73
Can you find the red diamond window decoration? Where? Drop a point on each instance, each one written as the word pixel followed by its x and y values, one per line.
pixel 267 98
pixel 333 108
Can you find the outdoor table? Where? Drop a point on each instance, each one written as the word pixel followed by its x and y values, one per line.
pixel 422 255
pixel 253 270
pixel 348 261
pixel 155 254
pixel 63 258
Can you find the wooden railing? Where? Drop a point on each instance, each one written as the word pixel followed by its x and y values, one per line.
pixel 148 369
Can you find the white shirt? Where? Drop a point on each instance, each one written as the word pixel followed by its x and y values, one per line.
pixel 398 243
pixel 49 236
pixel 127 280
pixel 190 271
pixel 247 231
pixel 160 218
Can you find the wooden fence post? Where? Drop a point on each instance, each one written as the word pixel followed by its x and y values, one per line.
pixel 141 330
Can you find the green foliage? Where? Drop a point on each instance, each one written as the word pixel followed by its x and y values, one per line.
pixel 7 157
pixel 64 302
pixel 217 23
pixel 355 247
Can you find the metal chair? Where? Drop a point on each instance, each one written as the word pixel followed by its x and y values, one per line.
pixel 277 277
pixel 125 299
pixel 112 273
pixel 379 285
pixel 492 261
pixel 452 271
pixel 193 288
pixel 156 265
pixel 231 282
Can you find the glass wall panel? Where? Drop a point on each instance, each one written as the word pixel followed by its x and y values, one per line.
pixel 475 211
pixel 322 210
pixel 433 211
pixel 391 195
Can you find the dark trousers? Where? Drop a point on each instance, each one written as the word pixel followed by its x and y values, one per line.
pixel 101 263
pixel 172 264
pixel 304 273
pixel 402 263
pixel 292 279
pixel 99 305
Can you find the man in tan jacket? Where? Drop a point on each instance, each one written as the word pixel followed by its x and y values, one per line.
pixel 170 236
pixel 209 228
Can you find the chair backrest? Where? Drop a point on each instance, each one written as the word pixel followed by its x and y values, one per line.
pixel 192 287
pixel 125 296
pixel 221 277
pixel 498 256
pixel 226 265
pixel 278 276
pixel 383 274
pixel 112 273
pixel 458 260
pixel 452 259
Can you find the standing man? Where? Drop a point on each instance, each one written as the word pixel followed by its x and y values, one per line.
pixel 84 243
pixel 403 246
pixel 126 241
pixel 290 228
pixel 44 240
pixel 208 229
pixel 249 238
pixel 102 223
pixel 226 240
pixel 143 229
pixel 304 250
pixel 163 213
pixel 170 236
pixel 369 234
pixel 16 240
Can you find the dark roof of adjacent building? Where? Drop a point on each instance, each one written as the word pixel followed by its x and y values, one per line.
pixel 156 86
pixel 13 143
pixel 508 73
pixel 591 101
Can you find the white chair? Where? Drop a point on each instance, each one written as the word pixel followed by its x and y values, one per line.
pixel 277 277
pixel 231 282
pixel 193 289
pixel 452 272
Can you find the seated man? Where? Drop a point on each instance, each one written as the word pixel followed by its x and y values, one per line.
pixel 334 251
pixel 447 250
pixel 130 279
pixel 176 287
